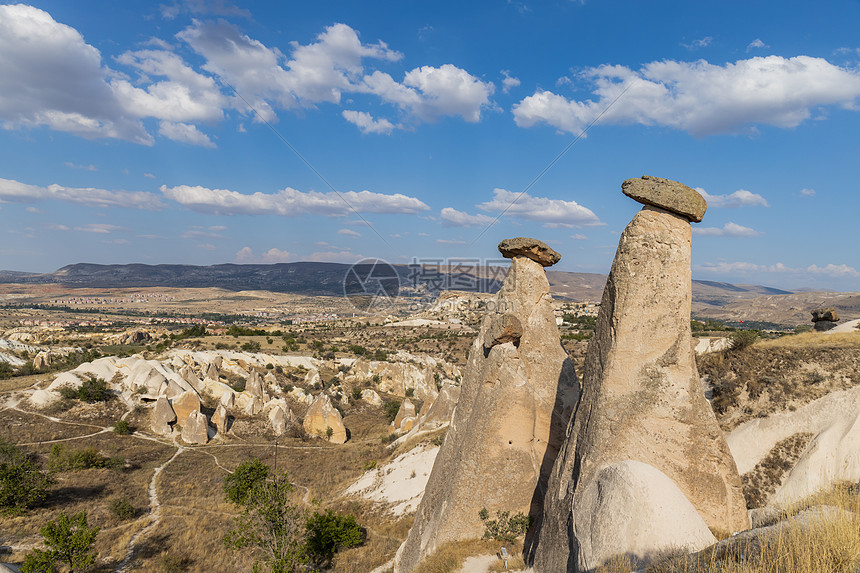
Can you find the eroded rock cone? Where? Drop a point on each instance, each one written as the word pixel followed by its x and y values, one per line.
pixel 515 400
pixel 162 416
pixel 641 400
pixel 322 416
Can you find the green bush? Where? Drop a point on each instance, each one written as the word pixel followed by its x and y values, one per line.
pixel 329 532
pixel 69 541
pixel 742 339
pixel 391 409
pixel 122 509
pixel 356 393
pixel 505 527
pixel 22 483
pixel 410 392
pixel 248 474
pixel 122 428
pixel 61 459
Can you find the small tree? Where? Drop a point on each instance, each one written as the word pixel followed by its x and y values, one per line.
pixel 69 541
pixel 272 527
pixel 330 532
pixel 22 482
pixel 238 484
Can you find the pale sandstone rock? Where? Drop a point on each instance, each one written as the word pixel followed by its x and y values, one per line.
pixel 666 194
pixel 250 404
pixel 279 419
pixel 632 509
pixel 228 399
pixel 407 410
pixel 184 404
pixel 254 386
pixel 641 396
pixel 509 422
pixel 195 430
pixel 371 397
pixel 299 395
pixel 43 360
pixel 219 419
pixel 322 415
pixel 538 251
pixel 162 416
pixel 212 370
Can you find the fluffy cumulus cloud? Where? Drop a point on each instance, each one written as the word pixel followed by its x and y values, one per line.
pixel 453 218
pixel 698 97
pixel 49 76
pixel 365 122
pixel 17 192
pixel 509 82
pixel 428 92
pixel 290 202
pixel 807 192
pixel 728 230
pixel 740 198
pixel 550 212
pixel 184 133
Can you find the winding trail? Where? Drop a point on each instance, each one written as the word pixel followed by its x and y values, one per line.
pixel 154 513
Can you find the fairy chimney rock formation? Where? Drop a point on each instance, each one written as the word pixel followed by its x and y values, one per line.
pixel 642 398
pixel 322 416
pixel 515 400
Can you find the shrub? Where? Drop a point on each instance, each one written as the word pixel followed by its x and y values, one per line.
pixel 93 390
pixel 391 409
pixel 22 483
pixel 68 540
pixel 410 392
pixel 248 474
pixel 122 509
pixel 172 563
pixel 742 339
pixel 122 428
pixel 60 459
pixel 356 393
pixel 251 346
pixel 504 527
pixel 330 532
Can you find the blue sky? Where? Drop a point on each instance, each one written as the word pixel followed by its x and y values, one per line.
pixel 161 133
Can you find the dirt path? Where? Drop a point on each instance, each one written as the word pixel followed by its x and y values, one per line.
pixel 154 513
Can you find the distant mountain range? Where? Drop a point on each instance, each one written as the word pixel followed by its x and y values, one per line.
pixel 713 299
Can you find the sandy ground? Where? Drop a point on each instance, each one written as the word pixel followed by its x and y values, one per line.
pixel 399 483
pixel 849 326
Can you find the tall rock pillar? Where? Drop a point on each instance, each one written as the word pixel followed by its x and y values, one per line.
pixel 642 401
pixel 517 394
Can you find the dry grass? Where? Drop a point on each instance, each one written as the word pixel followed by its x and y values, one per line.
pixel 449 557
pixel 763 480
pixel 779 375
pixel 819 545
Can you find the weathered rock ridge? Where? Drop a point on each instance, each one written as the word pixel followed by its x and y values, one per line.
pixel 515 400
pixel 641 396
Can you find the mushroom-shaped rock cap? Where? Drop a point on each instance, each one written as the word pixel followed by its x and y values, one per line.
pixel 533 249
pixel 666 194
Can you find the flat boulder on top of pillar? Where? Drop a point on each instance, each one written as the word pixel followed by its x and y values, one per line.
pixel 666 194
pixel 538 251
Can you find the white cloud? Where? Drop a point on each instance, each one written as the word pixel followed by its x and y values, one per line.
pixel 184 96
pixel 365 122
pixel 33 210
pixel 579 237
pixel 197 233
pixel 807 192
pixel 450 242
pixel 274 255
pixel 341 256
pixel 830 270
pixel 740 198
pixel 102 228
pixel 15 191
pixel 184 133
pixel 429 92
pixel 49 76
pixel 84 167
pixel 348 232
pixel 318 72
pixel 290 202
pixel 555 212
pixel 729 230
pixel 698 97
pixel 700 43
pixel 509 82
pixel 757 43
pixel 453 218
